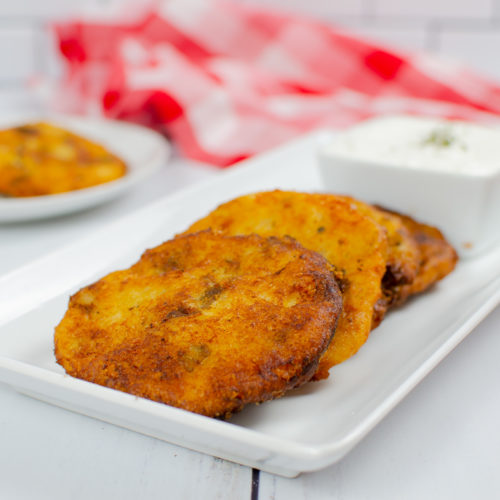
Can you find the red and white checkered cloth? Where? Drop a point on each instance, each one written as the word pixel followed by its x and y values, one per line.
pixel 226 81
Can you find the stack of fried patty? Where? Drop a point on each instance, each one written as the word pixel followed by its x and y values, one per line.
pixel 267 292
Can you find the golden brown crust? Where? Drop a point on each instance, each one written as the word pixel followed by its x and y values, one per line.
pixel 205 322
pixel 41 159
pixel 437 259
pixel 402 258
pixel 334 226
pixel 403 252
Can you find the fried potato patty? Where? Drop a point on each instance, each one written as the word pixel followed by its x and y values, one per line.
pixel 402 259
pixel 437 259
pixel 335 227
pixel 41 159
pixel 403 252
pixel 205 322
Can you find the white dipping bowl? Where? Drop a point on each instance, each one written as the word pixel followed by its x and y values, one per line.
pixel 459 196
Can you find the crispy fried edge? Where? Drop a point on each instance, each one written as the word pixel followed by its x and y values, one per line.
pixel 438 259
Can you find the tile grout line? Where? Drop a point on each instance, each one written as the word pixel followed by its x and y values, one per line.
pixel 254 495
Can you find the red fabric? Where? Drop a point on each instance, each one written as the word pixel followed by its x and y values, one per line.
pixel 226 81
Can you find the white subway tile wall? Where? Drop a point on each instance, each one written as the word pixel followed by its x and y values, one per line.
pixel 466 30
pixel 482 49
pixel 435 9
pixel 18 54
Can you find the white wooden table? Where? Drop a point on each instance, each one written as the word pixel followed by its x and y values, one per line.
pixel 442 442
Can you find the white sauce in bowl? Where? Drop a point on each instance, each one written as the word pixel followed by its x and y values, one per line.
pixel 422 143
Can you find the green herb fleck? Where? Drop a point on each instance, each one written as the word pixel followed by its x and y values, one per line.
pixel 440 137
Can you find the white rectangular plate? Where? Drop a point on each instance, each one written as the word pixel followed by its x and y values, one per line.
pixel 309 429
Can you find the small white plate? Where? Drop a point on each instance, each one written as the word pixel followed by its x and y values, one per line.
pixel 143 150
pixel 308 429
